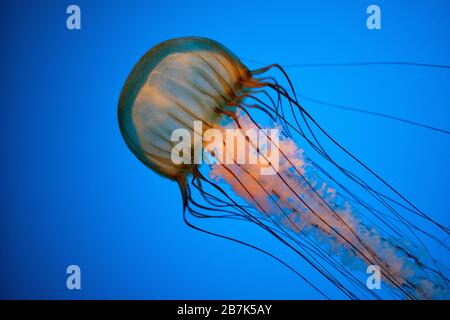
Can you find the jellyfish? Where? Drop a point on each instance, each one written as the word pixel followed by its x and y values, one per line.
pixel 241 146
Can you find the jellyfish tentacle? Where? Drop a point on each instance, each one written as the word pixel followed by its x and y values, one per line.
pixel 423 215
pixel 256 221
pixel 186 220
pixel 385 272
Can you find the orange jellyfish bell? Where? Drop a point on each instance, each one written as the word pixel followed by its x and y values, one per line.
pixel 177 82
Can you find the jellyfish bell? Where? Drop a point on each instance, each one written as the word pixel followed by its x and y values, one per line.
pixel 329 221
pixel 174 84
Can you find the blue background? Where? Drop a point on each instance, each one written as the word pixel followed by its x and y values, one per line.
pixel 72 193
